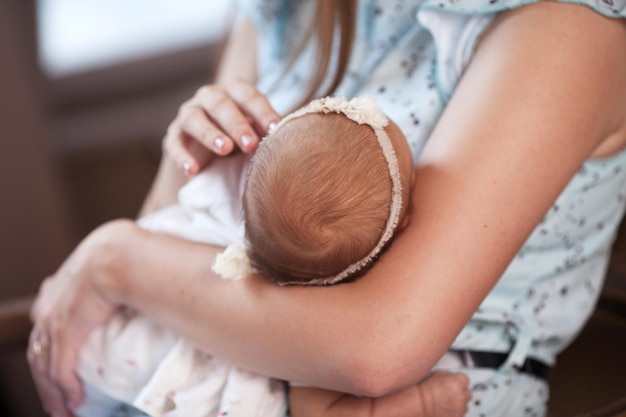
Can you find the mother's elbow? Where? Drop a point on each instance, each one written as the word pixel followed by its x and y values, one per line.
pixel 375 374
pixel 372 382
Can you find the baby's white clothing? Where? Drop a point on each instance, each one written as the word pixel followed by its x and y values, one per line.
pixel 131 365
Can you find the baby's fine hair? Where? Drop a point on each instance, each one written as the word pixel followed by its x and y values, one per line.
pixel 317 198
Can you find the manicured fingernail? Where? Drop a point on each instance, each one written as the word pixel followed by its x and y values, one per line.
pixel 246 140
pixel 219 143
pixel 272 126
pixel 187 168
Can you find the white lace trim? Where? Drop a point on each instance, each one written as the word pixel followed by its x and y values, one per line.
pixel 362 110
pixel 233 263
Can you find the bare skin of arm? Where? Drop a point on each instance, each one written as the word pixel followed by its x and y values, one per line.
pixel 510 139
pixel 314 402
pixel 442 394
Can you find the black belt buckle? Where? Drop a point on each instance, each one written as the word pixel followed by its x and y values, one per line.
pixel 494 360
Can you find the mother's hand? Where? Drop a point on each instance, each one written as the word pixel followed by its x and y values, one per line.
pixel 214 121
pixel 69 305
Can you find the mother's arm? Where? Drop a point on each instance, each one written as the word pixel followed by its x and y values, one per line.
pixel 545 89
pixel 533 105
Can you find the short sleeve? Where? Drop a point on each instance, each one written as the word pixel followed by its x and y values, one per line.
pixel 456 26
pixel 279 22
pixel 262 14
pixel 455 36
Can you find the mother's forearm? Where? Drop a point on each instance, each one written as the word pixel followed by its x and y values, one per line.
pixel 350 337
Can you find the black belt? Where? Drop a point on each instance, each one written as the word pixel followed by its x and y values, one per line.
pixel 494 360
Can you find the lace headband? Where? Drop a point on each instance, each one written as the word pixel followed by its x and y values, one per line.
pixel 233 263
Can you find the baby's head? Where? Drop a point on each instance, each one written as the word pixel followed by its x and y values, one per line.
pixel 319 193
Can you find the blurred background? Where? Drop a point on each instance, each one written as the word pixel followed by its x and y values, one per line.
pixel 87 90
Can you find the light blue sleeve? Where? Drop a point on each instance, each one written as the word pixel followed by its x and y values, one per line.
pixel 456 26
pixel 279 23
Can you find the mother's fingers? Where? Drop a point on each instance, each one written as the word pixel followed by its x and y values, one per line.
pixel 52 397
pixel 36 307
pixel 254 104
pixel 219 118
pixel 38 355
pixel 64 357
pixel 188 153
pixel 229 115
pixel 193 120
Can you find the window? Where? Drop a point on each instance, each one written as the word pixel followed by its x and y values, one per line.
pixel 76 36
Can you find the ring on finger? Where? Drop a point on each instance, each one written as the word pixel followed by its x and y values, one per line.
pixel 41 346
